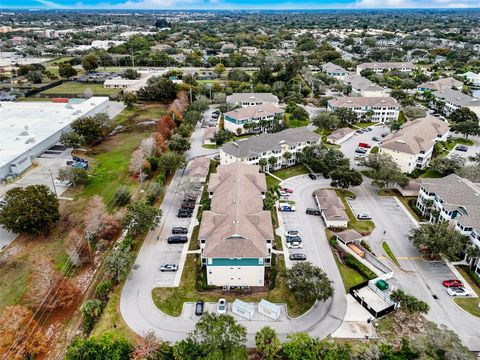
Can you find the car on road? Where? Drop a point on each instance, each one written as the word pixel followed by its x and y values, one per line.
pixel 461 148
pixel 179 230
pixel 452 283
pixel 363 216
pixel 294 245
pixel 458 291
pixel 285 207
pixel 311 211
pixel 177 239
pixel 359 131
pixel 384 134
pixel 297 256
pixel 312 176
pixel 287 190
pixel 169 267
pixel 199 307
pixel 221 306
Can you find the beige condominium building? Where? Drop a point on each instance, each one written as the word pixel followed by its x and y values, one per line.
pixel 411 147
pixel 379 67
pixel 236 235
pixel 331 208
pixel 361 86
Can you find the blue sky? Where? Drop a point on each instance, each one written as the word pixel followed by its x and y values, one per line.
pixel 238 4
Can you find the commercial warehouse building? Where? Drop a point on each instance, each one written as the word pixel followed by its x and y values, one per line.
pixel 27 129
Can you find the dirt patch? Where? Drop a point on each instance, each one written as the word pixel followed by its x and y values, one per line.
pixel 400 325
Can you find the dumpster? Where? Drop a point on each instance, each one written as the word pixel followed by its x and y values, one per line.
pixel 382 285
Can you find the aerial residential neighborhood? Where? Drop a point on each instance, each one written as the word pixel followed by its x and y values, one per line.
pixel 190 180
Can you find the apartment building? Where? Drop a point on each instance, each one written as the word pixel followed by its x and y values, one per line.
pixel 335 71
pixel 361 86
pixel 379 67
pixel 440 84
pixel 457 200
pixel 265 146
pixel 255 116
pixel 455 99
pixel 382 109
pixel 252 99
pixel 411 147
pixel 236 235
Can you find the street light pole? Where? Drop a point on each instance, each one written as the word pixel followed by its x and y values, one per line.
pixel 53 183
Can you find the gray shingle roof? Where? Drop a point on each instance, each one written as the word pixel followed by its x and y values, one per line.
pixel 441 84
pixel 257 97
pixel 330 204
pixel 330 67
pixel 457 194
pixel 456 97
pixel 356 101
pixel 265 142
pixel 361 83
pixel 254 112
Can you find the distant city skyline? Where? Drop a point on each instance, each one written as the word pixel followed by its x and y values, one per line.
pixel 237 4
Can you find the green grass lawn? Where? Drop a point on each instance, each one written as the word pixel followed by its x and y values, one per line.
pixel 390 253
pixel 374 150
pixel 170 300
pixel 110 169
pixel 350 277
pixel 364 125
pixel 294 123
pixel 470 305
pixel 74 88
pixel 271 181
pixel 430 173
pixel 295 170
pixel 210 146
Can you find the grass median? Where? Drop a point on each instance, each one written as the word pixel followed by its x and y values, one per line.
pixel 390 253
pixel 470 305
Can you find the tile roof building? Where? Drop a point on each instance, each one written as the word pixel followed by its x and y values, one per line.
pixel 385 109
pixel 266 145
pixel 440 84
pixel 411 147
pixel 457 200
pixel 331 208
pixel 236 235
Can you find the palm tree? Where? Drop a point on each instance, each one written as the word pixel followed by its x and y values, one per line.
pixel 262 163
pixel 267 343
pixel 272 160
pixel 287 155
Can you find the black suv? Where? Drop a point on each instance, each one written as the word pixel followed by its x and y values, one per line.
pixel 179 230
pixel 312 176
pixel 178 239
pixel 199 307
pixel 311 211
pixel 184 214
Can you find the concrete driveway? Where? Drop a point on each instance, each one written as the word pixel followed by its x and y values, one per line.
pixel 416 276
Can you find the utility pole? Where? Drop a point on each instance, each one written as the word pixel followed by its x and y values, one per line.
pixel 133 58
pixel 190 94
pixel 53 183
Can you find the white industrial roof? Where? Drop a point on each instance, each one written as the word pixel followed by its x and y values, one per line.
pixel 24 125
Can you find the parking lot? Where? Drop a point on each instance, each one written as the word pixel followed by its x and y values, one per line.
pixel 348 147
pixel 471 150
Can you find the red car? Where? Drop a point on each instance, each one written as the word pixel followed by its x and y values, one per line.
pixel 364 145
pixel 287 190
pixel 452 283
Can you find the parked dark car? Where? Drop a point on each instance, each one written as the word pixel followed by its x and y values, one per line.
pixel 461 148
pixel 360 150
pixel 184 214
pixel 298 256
pixel 178 239
pixel 311 211
pixel 293 238
pixel 188 205
pixel 199 307
pixel 312 176
pixel 179 230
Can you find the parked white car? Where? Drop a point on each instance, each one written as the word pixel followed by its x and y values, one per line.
pixel 458 291
pixel 294 245
pixel 221 306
